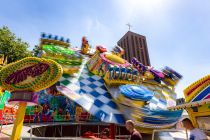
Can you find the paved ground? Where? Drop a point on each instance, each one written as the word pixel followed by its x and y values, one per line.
pixel 4 137
pixel 7 131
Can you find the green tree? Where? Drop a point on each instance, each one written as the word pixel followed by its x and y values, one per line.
pixel 12 47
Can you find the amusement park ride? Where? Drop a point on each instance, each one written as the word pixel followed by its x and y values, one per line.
pixel 104 86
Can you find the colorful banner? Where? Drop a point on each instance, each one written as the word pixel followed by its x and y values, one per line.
pixel 52 107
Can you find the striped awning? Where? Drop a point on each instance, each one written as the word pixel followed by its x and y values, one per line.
pixel 188 105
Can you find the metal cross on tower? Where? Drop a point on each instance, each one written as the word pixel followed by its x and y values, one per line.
pixel 129 26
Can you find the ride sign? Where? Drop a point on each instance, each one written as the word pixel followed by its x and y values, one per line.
pixel 30 74
pixel 22 79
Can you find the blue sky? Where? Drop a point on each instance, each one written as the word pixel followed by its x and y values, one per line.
pixel 177 31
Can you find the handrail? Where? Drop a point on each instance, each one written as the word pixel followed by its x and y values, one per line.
pixel 77 136
pixel 9 118
pixel 168 130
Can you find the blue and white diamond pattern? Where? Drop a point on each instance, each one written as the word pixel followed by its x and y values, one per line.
pixel 89 92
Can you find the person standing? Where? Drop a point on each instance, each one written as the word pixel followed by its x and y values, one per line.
pixel 195 133
pixel 130 126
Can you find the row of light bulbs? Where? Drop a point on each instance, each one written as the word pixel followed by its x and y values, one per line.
pixel 54 37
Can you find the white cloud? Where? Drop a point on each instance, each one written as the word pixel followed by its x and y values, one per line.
pixel 138 10
pixel 98 33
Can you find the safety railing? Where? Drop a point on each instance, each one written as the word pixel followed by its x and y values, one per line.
pixel 78 121
pixel 9 118
pixel 170 134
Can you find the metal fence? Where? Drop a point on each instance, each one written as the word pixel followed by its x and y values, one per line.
pixel 83 120
pixel 9 118
pixel 169 134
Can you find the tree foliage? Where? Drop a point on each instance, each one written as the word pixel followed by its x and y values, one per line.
pixel 12 47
